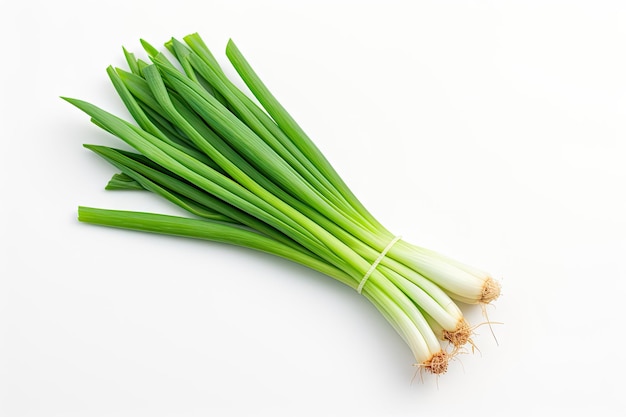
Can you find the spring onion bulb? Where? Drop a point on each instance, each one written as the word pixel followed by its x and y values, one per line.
pixel 248 175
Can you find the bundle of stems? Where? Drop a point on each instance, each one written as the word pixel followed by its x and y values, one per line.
pixel 250 176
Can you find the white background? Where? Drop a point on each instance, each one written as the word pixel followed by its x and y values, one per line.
pixel 492 131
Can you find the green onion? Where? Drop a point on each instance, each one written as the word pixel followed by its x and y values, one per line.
pixel 248 175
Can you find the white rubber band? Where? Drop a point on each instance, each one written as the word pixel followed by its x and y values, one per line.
pixel 375 264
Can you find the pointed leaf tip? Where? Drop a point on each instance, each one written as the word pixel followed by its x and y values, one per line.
pixel 73 101
pixel 151 50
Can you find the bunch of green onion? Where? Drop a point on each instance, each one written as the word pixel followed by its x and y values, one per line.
pixel 250 176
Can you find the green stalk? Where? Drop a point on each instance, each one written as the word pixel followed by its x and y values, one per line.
pixel 207 230
pixel 273 210
pixel 292 129
pixel 145 123
pixel 200 135
pixel 198 139
pixel 182 193
pixel 228 126
pixel 260 123
pixel 244 140
pixel 199 174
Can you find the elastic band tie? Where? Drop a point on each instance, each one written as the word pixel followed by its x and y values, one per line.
pixel 375 264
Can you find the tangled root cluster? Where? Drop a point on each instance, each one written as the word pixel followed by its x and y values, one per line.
pixel 460 336
pixel 491 291
pixel 437 364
